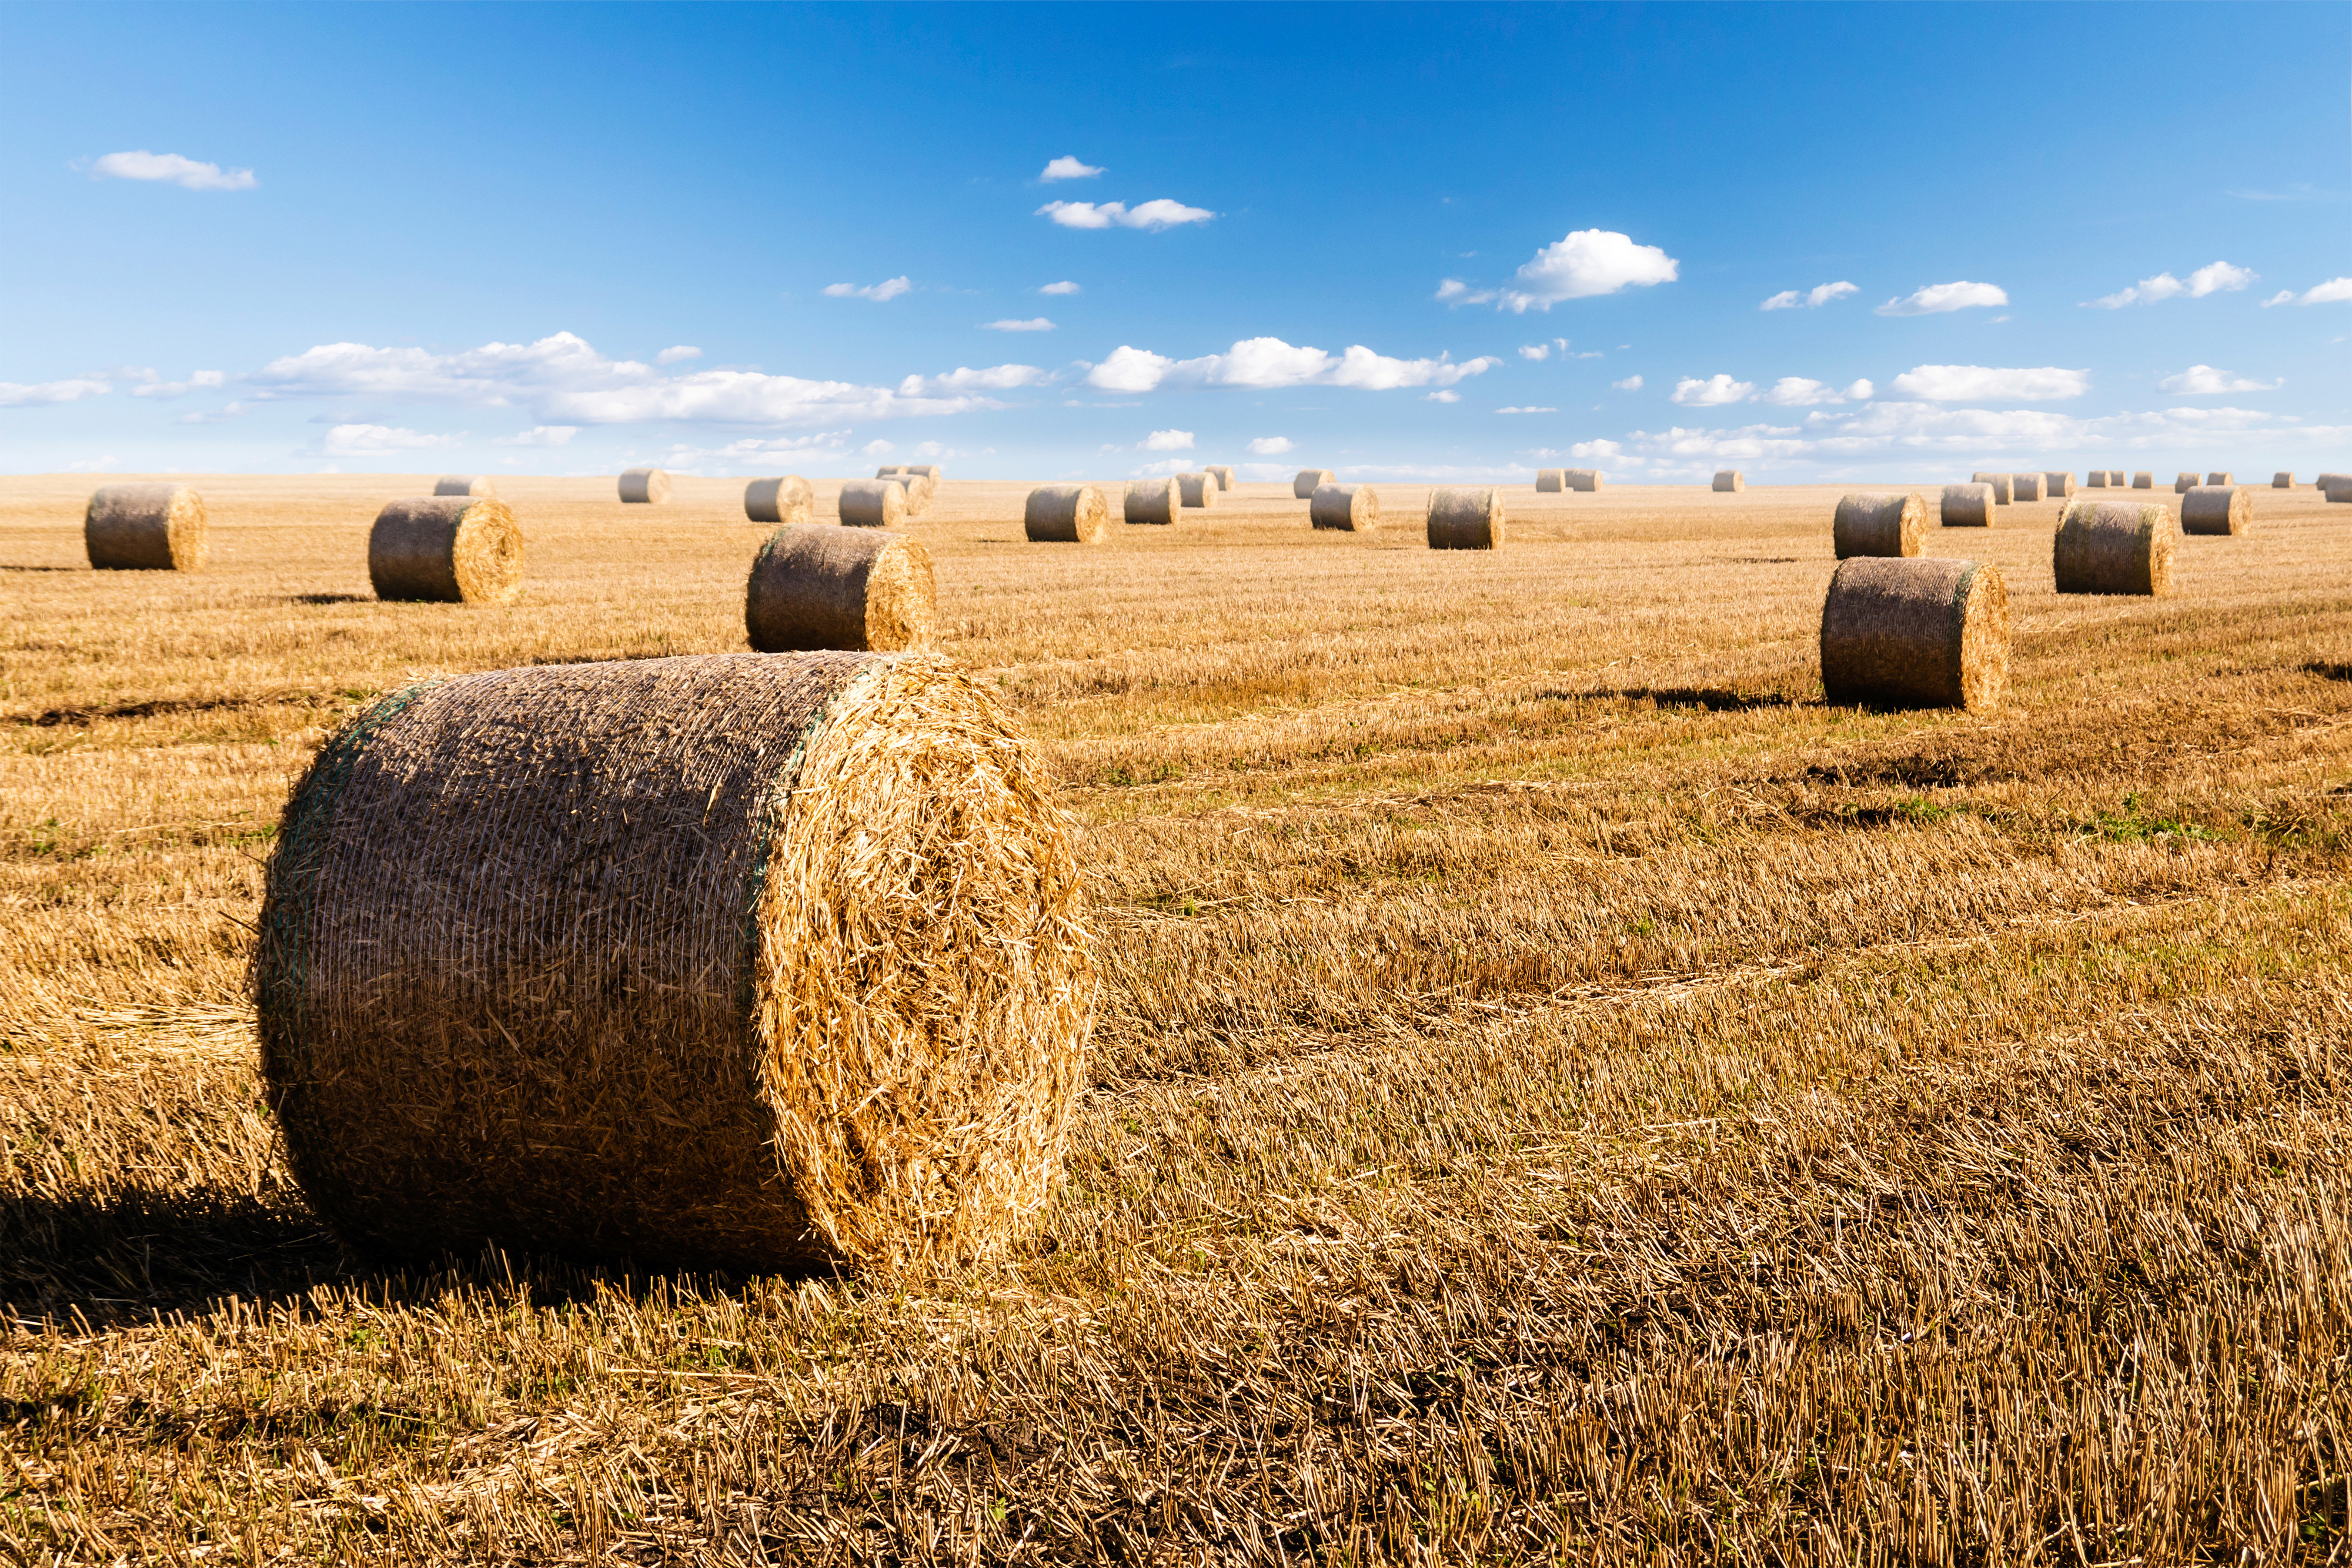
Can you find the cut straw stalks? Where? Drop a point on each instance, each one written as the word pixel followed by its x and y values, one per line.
pixel 1915 633
pixel 145 528
pixel 1878 523
pixel 1067 514
pixel 2115 546
pixel 856 588
pixel 445 549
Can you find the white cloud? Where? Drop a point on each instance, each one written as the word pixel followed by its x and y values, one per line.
pixel 2204 381
pixel 672 355
pixel 377 440
pixel 1453 289
pixel 1162 469
pixel 889 288
pixel 1978 383
pixel 1812 300
pixel 220 416
pixel 1939 298
pixel 1535 350
pixel 1273 446
pixel 1068 168
pixel 2334 291
pixel 1796 391
pixel 1168 440
pixel 2219 277
pixel 1162 214
pixel 541 435
pixel 171 169
pixel 1449 395
pixel 30 395
pixel 996 378
pixel 1065 286
pixel 1712 392
pixel 91 465
pixel 150 386
pixel 1527 411
pixel 1269 364
pixel 755 450
pixel 1582 265
pixel 877 448
pixel 1129 370
pixel 1631 383
pixel 1034 324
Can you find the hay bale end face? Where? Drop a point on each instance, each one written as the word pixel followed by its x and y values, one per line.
pixel 860 590
pixel 1551 481
pixel 1224 475
pixel 1067 514
pixel 145 528
pixel 1966 506
pixel 1466 517
pixel 1587 480
pixel 464 484
pixel 445 549
pixel 644 486
pixel 2115 546
pixel 1731 480
pixel 2184 483
pixel 2058 485
pixel 2281 481
pixel 748 961
pixel 2025 487
pixel 1351 508
pixel 1308 481
pixel 1878 523
pixel 1198 489
pixel 1151 501
pixel 872 503
pixel 2142 481
pixel 787 500
pixel 2216 509
pixel 1915 633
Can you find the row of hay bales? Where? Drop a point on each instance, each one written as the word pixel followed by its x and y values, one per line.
pixel 2100 547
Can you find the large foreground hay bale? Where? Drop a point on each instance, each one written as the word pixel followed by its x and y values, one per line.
pixel 2058 485
pixel 2025 487
pixel 1465 516
pixel 1067 514
pixel 447 550
pixel 464 484
pixel 2216 509
pixel 872 503
pixel 2281 480
pixel 750 961
pixel 2115 546
pixel 1878 522
pixel 858 589
pixel 1223 473
pixel 1966 506
pixel 1354 509
pixel 1731 479
pixel 1197 489
pixel 1550 481
pixel 787 500
pixel 2220 478
pixel 1586 479
pixel 2143 480
pixel 1915 633
pixel 2184 483
pixel 644 486
pixel 1151 501
pixel 1308 481
pixel 145 528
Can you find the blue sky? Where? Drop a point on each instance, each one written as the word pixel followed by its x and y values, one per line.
pixel 1397 241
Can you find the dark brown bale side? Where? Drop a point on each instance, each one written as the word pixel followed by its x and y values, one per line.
pixel 1878 523
pixel 1465 516
pixel 448 550
pixel 2216 509
pixel 145 528
pixel 858 589
pixel 2115 546
pixel 1915 633
pixel 1067 514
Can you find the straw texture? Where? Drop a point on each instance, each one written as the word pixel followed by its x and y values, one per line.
pixel 1151 501
pixel 1466 517
pixel 746 961
pixel 2220 478
pixel 644 486
pixel 2002 493
pixel 1224 475
pixel 1966 506
pixel 872 503
pixel 1354 509
pixel 2339 487
pixel 787 500
pixel 2097 479
pixel 1878 522
pixel 1551 481
pixel 858 589
pixel 2115 546
pixel 448 550
pixel 1308 481
pixel 1731 479
pixel 2143 480
pixel 1585 479
pixel 1915 633
pixel 2058 486
pixel 919 488
pixel 464 484
pixel 2216 509
pixel 2025 487
pixel 1197 489
pixel 2281 480
pixel 2184 483
pixel 145 528
pixel 1067 514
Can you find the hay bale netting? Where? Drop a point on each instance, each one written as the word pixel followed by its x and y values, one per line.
pixel 1915 633
pixel 2143 480
pixel 749 961
pixel 1879 522
pixel 1151 501
pixel 644 486
pixel 2115 546
pixel 2216 509
pixel 1309 480
pixel 2281 480
pixel 788 499
pixel 2025 487
pixel 1197 489
pixel 861 590
pixel 1224 475
pixel 1731 479
pixel 2220 478
pixel 2058 486
pixel 2184 483
pixel 464 484
pixel 872 503
pixel 1465 516
pixel 144 528
pixel 1353 508
pixel 447 550
pixel 1551 481
pixel 1966 507
pixel 1585 479
pixel 1067 514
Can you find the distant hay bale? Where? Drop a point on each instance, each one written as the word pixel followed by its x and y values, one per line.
pixel 2339 487
pixel 2281 480
pixel 145 528
pixel 890 470
pixel 1915 633
pixel 2025 487
pixel 2095 479
pixel 644 486
pixel 2184 483
pixel 1585 479
pixel 1353 508
pixel 1731 479
pixel 1310 479
pixel 464 484
pixel 1224 475
pixel 2002 494
pixel 1966 506
pixel 1878 523
pixel 919 488
pixel 2115 546
pixel 750 961
pixel 445 549
pixel 1197 489
pixel 1153 501
pixel 2220 478
pixel 2216 509
pixel 1466 517
pixel 872 503
pixel 783 500
pixel 2143 480
pixel 928 470
pixel 1551 481
pixel 1067 514
pixel 863 590
pixel 2059 486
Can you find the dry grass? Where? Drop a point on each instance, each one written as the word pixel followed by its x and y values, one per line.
pixel 1561 1092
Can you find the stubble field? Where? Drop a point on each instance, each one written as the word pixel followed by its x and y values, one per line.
pixel 1562 1092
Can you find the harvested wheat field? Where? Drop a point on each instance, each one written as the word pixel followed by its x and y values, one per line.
pixel 1560 1092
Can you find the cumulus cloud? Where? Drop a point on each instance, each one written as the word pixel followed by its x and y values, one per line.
pixel 1631 383
pixel 541 435
pixel 220 416
pixel 1162 214
pixel 1065 286
pixel 1068 168
pixel 2204 381
pixel 152 386
pixel 2219 277
pixel 891 288
pixel 1978 383
pixel 377 440
pixel 1796 391
pixel 676 352
pixel 1712 392
pixel 996 378
pixel 1034 324
pixel 1527 411
pixel 1168 440
pixel 1939 298
pixel 2334 291
pixel 1129 370
pixel 877 447
pixel 1272 445
pixel 759 450
pixel 1448 395
pixel 1581 264
pixel 1269 363
pixel 171 169
pixel 1812 300
pixel 33 394
pixel 1535 350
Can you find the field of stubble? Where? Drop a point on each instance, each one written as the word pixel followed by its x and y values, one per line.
pixel 1563 1092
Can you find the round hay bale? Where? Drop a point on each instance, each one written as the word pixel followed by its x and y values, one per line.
pixel 1551 481
pixel 2095 479
pixel 1465 516
pixel 1915 633
pixel 1731 480
pixel 1198 489
pixel 1151 501
pixel 2216 509
pixel 1224 475
pixel 144 528
pixel 928 470
pixel 1879 522
pixel 783 500
pixel 1585 479
pixel 2025 487
pixel 1309 480
pixel 1352 508
pixel 2143 480
pixel 2183 484
pixel 1067 514
pixel 445 549
pixel 2115 546
pixel 889 470
pixel 872 503
pixel 2339 487
pixel 464 484
pixel 2058 485
pixel 2281 480
pixel 815 587
pixel 2002 493
pixel 644 486
pixel 1966 506
pixel 2220 478
pixel 744 961
pixel 2325 480
pixel 917 489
